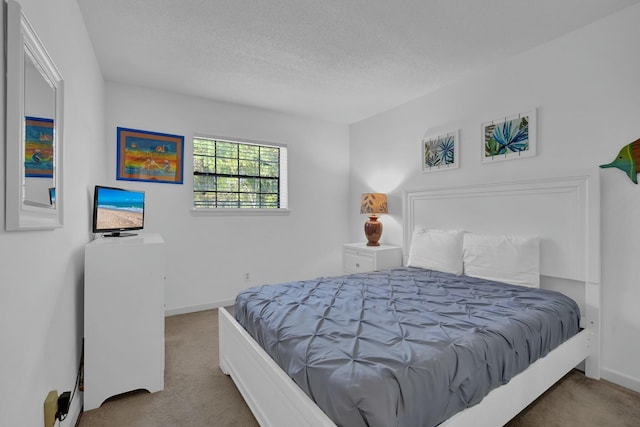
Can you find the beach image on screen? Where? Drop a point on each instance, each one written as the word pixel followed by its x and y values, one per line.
pixel 118 209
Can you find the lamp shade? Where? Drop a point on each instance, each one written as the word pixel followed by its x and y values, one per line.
pixel 373 203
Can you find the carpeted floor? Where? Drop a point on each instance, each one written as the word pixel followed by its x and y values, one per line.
pixel 197 394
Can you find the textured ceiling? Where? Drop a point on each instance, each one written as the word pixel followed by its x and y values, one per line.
pixel 339 60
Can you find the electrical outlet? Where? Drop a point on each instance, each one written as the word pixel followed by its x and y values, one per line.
pixel 247 276
pixel 50 408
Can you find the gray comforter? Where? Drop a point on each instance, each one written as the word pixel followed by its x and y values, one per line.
pixel 403 347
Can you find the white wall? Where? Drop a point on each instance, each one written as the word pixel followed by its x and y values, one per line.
pixel 208 256
pixel 41 272
pixel 586 88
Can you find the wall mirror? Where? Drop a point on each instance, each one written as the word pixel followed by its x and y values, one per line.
pixel 34 119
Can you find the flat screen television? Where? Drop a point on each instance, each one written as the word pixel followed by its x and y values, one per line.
pixel 117 211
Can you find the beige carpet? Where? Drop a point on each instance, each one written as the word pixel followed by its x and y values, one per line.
pixel 197 394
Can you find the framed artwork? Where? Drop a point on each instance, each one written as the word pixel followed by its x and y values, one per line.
pixel 38 147
pixel 512 137
pixel 440 152
pixel 149 156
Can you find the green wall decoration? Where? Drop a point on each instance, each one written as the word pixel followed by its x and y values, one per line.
pixel 627 160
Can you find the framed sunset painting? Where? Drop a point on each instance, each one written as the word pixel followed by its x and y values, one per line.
pixel 149 156
pixel 38 147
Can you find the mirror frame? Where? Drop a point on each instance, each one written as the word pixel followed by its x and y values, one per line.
pixel 19 214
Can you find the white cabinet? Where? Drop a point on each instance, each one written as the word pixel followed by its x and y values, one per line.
pixel 359 258
pixel 123 316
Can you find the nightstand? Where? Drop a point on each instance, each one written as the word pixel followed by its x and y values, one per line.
pixel 360 258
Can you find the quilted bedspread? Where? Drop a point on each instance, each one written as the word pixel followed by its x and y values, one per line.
pixel 403 347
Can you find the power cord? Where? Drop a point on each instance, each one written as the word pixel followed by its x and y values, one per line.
pixel 77 385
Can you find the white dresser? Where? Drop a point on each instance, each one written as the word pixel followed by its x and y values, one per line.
pixel 123 316
pixel 360 258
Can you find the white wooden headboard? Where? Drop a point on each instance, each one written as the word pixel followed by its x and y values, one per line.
pixel 564 212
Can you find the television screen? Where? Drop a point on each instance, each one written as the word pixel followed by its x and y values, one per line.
pixel 116 210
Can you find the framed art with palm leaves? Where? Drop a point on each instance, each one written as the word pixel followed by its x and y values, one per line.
pixel 440 152
pixel 512 137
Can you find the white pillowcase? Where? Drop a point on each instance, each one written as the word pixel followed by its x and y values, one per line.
pixel 509 259
pixel 439 250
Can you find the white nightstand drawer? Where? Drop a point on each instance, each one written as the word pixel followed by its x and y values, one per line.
pixel 360 258
pixel 355 262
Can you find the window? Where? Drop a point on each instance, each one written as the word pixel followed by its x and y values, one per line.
pixel 238 174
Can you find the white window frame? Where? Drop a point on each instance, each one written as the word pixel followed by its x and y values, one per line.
pixel 283 177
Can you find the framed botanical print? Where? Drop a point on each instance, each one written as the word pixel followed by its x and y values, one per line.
pixel 441 152
pixel 512 137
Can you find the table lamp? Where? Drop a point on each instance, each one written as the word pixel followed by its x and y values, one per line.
pixel 373 204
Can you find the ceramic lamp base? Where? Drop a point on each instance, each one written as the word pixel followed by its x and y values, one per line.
pixel 373 230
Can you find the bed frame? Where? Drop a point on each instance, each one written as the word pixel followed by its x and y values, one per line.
pixel 563 211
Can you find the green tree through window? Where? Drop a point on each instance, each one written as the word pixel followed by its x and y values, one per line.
pixel 238 174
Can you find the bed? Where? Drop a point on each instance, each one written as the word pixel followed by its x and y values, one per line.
pixel 562 212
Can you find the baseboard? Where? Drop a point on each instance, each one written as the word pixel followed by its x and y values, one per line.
pixel 620 379
pixel 198 307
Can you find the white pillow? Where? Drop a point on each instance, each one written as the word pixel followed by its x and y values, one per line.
pixel 509 259
pixel 439 250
